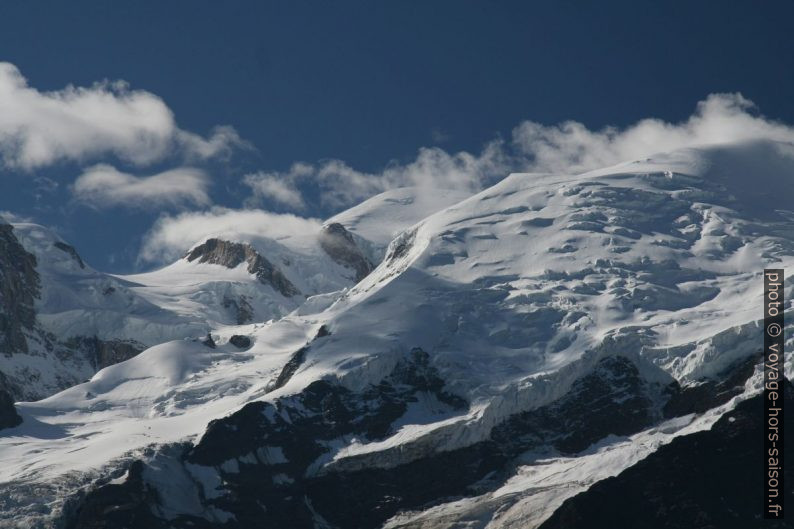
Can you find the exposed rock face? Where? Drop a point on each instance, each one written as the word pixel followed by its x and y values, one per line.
pixel 104 353
pixel 340 246
pixel 280 441
pixel 613 399
pixel 232 254
pixel 8 413
pixel 68 248
pixel 295 361
pixel 710 479
pixel 266 458
pixel 19 288
pixel 240 341
pixel 209 342
pixel 130 502
pixel 709 393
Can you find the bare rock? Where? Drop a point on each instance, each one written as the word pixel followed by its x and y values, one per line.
pixel 232 254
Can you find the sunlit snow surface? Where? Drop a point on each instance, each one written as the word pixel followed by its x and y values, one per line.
pixel 515 292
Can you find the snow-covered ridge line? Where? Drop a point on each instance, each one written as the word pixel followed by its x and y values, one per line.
pixel 515 295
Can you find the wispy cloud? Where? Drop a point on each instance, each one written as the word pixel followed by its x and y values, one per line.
pixel 104 186
pixel 333 184
pixel 11 217
pixel 171 236
pixel 569 147
pixel 278 187
pixel 84 123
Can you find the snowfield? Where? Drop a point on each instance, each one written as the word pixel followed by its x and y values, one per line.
pixel 515 293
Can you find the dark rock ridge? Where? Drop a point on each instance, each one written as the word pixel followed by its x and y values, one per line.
pixel 9 386
pixel 68 248
pixel 613 399
pixel 278 447
pixel 283 439
pixel 8 413
pixel 710 479
pixel 129 505
pixel 19 288
pixel 240 341
pixel 295 361
pixel 232 254
pixel 208 341
pixel 340 246
pixel 708 393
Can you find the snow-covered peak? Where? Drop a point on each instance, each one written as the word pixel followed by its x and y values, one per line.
pixel 647 273
pixel 232 255
pixel 54 255
pixel 538 270
pixel 381 218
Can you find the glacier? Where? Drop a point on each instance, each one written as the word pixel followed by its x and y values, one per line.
pixel 524 344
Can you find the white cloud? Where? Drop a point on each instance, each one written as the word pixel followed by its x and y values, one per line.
pixel 172 236
pixel 80 123
pixel 275 187
pixel 104 186
pixel 11 217
pixel 337 185
pixel 569 147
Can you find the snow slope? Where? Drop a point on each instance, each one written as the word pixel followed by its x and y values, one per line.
pixel 78 300
pixel 82 314
pixel 515 294
pixel 381 218
pixel 81 319
pixel 197 290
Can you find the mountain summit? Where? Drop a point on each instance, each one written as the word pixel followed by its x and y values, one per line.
pixel 507 355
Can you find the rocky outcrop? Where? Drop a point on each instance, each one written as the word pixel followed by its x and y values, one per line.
pixel 709 392
pixel 232 254
pixel 19 288
pixel 68 248
pixel 340 246
pixel 209 341
pixel 8 413
pixel 709 479
pixel 612 400
pixel 240 341
pixel 266 457
pixel 274 444
pixel 295 361
pixel 125 505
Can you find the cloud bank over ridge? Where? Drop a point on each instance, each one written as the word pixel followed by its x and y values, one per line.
pixel 569 147
pixel 108 122
pixel 172 235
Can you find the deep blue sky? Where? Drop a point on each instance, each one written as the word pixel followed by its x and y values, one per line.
pixel 367 82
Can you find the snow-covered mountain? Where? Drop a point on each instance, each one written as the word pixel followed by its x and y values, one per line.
pixel 62 320
pixel 248 279
pixel 381 218
pixel 508 355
